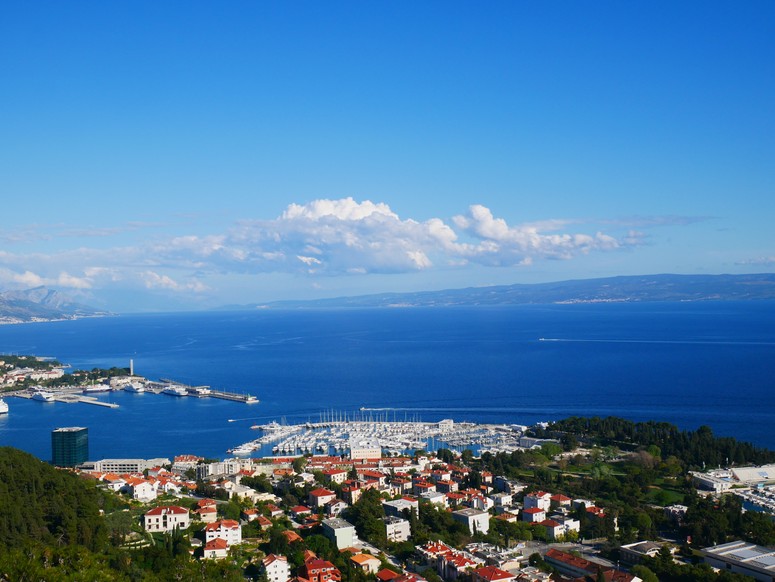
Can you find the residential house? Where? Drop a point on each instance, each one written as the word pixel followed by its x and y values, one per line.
pixel 319 497
pixel 340 532
pixel 225 529
pixel 476 520
pixel 216 548
pixel 491 574
pixel 166 518
pixel 397 529
pixel 366 563
pixel 316 570
pixel 276 568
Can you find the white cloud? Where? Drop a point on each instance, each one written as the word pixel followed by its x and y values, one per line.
pixel 760 261
pixel 322 237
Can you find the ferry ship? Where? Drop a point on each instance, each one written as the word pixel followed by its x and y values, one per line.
pixel 43 396
pixel 135 387
pixel 3 406
pixel 97 388
pixel 175 391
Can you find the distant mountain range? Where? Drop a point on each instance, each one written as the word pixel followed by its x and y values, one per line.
pixel 612 289
pixel 41 304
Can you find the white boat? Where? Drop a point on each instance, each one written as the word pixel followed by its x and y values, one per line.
pixel 3 406
pixel 96 388
pixel 134 387
pixel 43 396
pixel 175 391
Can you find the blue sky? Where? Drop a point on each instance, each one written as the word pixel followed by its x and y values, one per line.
pixel 185 155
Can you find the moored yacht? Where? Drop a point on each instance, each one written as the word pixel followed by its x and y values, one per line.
pixel 135 387
pixel 3 406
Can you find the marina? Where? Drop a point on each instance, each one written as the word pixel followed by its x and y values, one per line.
pixel 334 436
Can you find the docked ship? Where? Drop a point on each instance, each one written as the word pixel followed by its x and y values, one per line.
pixel 96 388
pixel 43 396
pixel 134 387
pixel 3 406
pixel 172 390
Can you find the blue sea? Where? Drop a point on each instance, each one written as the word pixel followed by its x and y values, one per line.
pixel 691 364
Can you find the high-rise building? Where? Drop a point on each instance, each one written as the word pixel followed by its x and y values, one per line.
pixel 69 446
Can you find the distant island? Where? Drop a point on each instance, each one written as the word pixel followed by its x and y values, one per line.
pixel 638 288
pixel 42 304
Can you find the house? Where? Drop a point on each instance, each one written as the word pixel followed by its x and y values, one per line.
pixel 432 553
pixel 166 518
pixel 335 475
pixel 340 532
pixel 215 549
pixel 292 536
pixel 316 570
pixel 207 514
pixel 249 514
pixel 553 528
pixel 139 489
pixel 457 565
pixel 335 507
pixel 397 529
pixel 300 511
pixel 276 568
pixel 491 574
pixel 386 575
pixel 477 521
pixel 366 563
pixel 319 497
pixel 397 507
pixel 225 529
pixel 435 497
pixel 533 514
pixel 274 511
pixel 559 500
pixel 539 499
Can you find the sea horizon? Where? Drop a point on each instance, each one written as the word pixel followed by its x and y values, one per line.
pixel 689 364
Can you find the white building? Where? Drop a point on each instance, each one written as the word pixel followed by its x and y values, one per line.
pixel 396 508
pixel 121 466
pixel 365 448
pixel 744 558
pixel 225 529
pixel 276 568
pixel 477 521
pixel 397 529
pixel 539 499
pixel 339 531
pixel 166 518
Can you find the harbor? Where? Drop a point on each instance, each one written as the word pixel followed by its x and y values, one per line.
pixel 335 434
pixel 85 395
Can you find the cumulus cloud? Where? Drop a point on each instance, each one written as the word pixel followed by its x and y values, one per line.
pixel 322 237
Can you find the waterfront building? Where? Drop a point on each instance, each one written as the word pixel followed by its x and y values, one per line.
pixel 365 449
pixel 69 446
pixel 123 466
